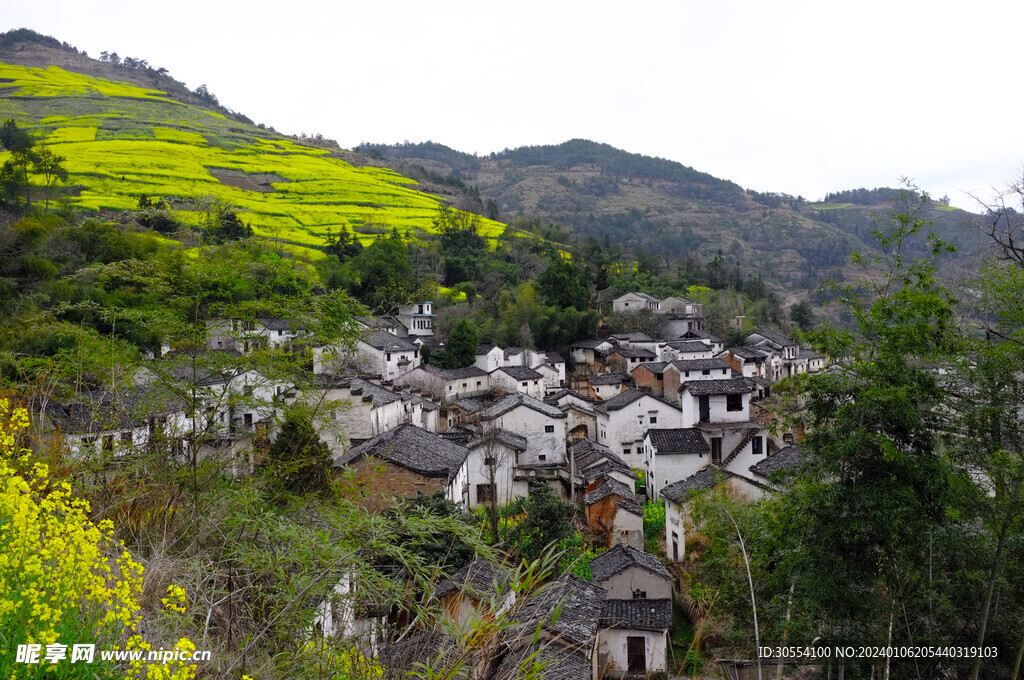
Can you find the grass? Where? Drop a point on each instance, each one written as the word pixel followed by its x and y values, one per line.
pixel 832 206
pixel 123 141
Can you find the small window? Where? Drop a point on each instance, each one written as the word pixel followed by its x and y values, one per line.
pixel 464 385
pixel 734 402
pixel 706 371
pixel 757 446
pixel 488 460
pixel 542 457
pixel 549 428
pixel 639 594
pixel 654 420
pixel 478 383
pixel 389 356
pixel 627 451
pixel 526 384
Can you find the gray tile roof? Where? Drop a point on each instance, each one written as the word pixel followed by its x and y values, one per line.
pixel 772 336
pixel 555 358
pixel 701 364
pixel 455 373
pixel 611 379
pixel 621 557
pixel 422 647
pixel 668 441
pixel 594 460
pixel 632 353
pixel 681 490
pixel 569 608
pixel 637 614
pixel 632 337
pixel 688 346
pixel 512 401
pixel 556 663
pixel 782 461
pixel 468 405
pixel 587 344
pixel 655 367
pixel 749 353
pixel 554 397
pixel 362 389
pixel 624 399
pixel 480 579
pixel 413 448
pixel 628 500
pixel 509 439
pixel 484 349
pixel 108 410
pixel 520 372
pixel 726 386
pixel 387 342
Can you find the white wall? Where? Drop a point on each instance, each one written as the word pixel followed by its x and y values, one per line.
pixel 612 642
pixel 532 424
pixel 625 428
pixel 479 472
pixel 620 586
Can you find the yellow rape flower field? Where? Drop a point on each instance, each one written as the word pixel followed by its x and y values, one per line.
pixel 121 141
pixel 63 579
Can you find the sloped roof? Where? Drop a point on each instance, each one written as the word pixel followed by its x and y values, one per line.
pixel 413 448
pixel 595 460
pixel 569 608
pixel 556 663
pixel 587 344
pixel 512 401
pixel 633 353
pixel 387 342
pixel 701 364
pixel 668 441
pixel 364 389
pixel 624 399
pixel 509 439
pixel 749 353
pixel 688 346
pixel 555 358
pixel 637 614
pixel 479 578
pixel 772 336
pixel 679 491
pixel 629 501
pixel 727 386
pixel 108 410
pixel 611 379
pixel 554 397
pixel 519 372
pixel 655 367
pixel 468 405
pixel 787 459
pixel 485 349
pixel 623 556
pixel 420 647
pixel 455 373
pixel 633 337
pixel 645 296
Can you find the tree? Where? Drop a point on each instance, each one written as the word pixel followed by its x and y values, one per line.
pixel 802 315
pixel 560 285
pixel 877 484
pixel 385 275
pixel 223 225
pixel 460 350
pixel 298 461
pixel 51 167
pixel 546 521
pixel 23 157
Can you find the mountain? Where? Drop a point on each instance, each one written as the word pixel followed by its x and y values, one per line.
pixel 129 131
pixel 666 208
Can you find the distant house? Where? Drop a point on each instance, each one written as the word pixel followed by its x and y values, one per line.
pixel 377 352
pixel 405 461
pixel 683 349
pixel 447 385
pixel 633 638
pixel 614 513
pixel 543 427
pixel 662 379
pixel 491 469
pixel 417 318
pixel 712 341
pixel 785 359
pixel 750 362
pixel 625 359
pixel 779 466
pixel 623 420
pixel 673 455
pixel 508 379
pixel 489 357
pixel 360 410
pixel 608 385
pixel 720 409
pixel 581 421
pixel 635 302
pixel 588 356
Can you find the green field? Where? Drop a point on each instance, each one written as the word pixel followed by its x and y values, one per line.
pixel 123 141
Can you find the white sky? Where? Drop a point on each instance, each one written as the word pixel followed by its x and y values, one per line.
pixel 794 96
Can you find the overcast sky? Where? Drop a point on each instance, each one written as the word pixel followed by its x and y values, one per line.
pixel 798 97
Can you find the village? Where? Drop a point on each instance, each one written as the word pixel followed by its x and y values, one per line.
pixel 622 420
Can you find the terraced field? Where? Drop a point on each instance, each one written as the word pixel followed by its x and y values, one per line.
pixel 122 141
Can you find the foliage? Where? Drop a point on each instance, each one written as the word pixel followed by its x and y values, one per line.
pixel 654 525
pixel 560 285
pixel 460 350
pixel 546 522
pixel 384 274
pixel 298 461
pixel 63 578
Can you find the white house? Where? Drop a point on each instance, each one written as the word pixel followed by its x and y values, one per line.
pixel 635 302
pixel 581 420
pixel 614 513
pixel 447 385
pixel 360 410
pixel 673 455
pixel 508 379
pixel 608 385
pixel 592 462
pixel 623 420
pixel 720 409
pixel 417 318
pixel 491 466
pixel 489 357
pixel 683 349
pixel 542 424
pixel 633 638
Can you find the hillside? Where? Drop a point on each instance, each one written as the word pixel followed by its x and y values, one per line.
pixel 668 209
pixel 124 140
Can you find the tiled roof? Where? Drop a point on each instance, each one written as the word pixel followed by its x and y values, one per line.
pixel 624 399
pixel 631 353
pixel 688 346
pixel 554 397
pixel 705 479
pixel 587 344
pixel 455 373
pixel 512 401
pixel 367 391
pixel 413 448
pixel 622 556
pixel 749 353
pixel 468 405
pixel 569 608
pixel 433 647
pixel 629 501
pixel 276 324
pixel 774 337
pixel 595 460
pixel 513 351
pixel 509 439
pixel 701 364
pixel 387 342
pixel 480 579
pixel 727 386
pixel 669 441
pixel 787 459
pixel 520 372
pixel 485 349
pixel 103 411
pixel 637 614
pixel 556 663
pixel 611 379
pixel 632 337
pixel 655 367
pixel 555 358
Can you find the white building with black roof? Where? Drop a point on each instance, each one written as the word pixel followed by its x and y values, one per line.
pixel 673 454
pixel 623 420
pixel 508 379
pixel 633 638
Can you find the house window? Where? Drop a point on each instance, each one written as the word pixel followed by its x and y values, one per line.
pixel 389 356
pixel 108 442
pixel 248 421
pixel 478 383
pixel 654 420
pixel 484 493
pixel 627 451
pixel 706 371
pixel 675 545
pixel 526 384
pixel 549 428
pixel 756 446
pixel 126 437
pixel 639 594
pixel 734 402
pixel 542 457
pixel 716 450
pixel 488 460
pixel 465 385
